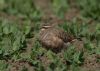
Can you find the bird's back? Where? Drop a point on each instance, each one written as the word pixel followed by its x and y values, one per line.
pixel 53 38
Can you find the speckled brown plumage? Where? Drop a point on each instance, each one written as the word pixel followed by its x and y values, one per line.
pixel 53 38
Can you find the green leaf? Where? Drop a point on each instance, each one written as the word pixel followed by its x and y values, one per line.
pixel 6 30
pixel 68 54
pixel 88 45
pixel 78 57
pixel 3 65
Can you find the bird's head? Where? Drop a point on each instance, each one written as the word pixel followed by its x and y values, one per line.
pixel 46 26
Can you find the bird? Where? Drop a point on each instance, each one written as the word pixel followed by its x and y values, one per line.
pixel 53 38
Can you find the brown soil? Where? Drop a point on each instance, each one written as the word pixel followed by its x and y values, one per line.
pixel 91 64
pixel 19 66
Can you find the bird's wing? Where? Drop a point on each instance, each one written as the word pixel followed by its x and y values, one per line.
pixel 66 37
pixel 63 35
pixel 60 34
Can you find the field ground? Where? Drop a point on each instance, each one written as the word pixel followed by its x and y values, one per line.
pixel 20 23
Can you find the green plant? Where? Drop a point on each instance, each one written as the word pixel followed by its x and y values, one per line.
pixel 12 39
pixel 73 56
pixel 60 7
pixel 3 65
pixel 90 8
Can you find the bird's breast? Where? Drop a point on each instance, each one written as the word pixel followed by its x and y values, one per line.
pixel 50 40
